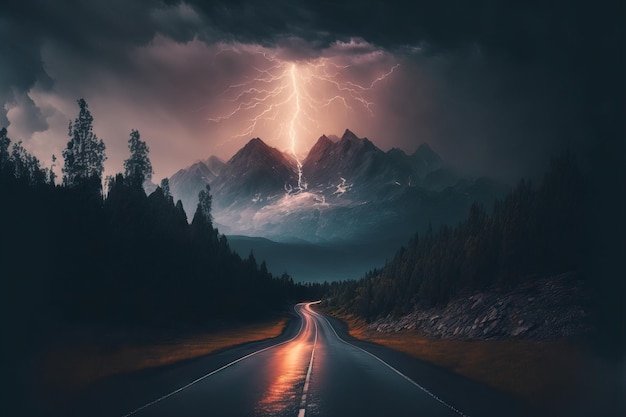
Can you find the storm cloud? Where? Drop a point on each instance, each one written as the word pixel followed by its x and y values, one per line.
pixel 495 87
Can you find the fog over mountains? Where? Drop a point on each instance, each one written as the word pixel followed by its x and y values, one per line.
pixel 356 204
pixel 188 182
pixel 351 191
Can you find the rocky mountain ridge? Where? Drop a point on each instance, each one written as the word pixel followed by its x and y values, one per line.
pixel 256 171
pixel 352 190
pixel 186 183
pixel 548 308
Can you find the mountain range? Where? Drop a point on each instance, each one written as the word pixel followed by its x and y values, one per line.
pixel 350 191
pixel 186 183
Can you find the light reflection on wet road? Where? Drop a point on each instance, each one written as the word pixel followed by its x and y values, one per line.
pixel 289 366
pixel 315 373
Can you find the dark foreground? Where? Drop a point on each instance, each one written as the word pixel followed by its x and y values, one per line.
pixel 313 369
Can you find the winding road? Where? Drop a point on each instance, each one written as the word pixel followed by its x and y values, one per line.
pixel 312 371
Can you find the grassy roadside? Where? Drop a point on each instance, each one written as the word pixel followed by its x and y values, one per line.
pixel 544 374
pixel 64 371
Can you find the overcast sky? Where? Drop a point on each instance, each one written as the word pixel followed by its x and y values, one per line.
pixel 495 87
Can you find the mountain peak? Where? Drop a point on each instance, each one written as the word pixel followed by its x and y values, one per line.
pixel 256 143
pixel 214 158
pixel 396 153
pixel 215 164
pixel 254 148
pixel 197 165
pixel 323 141
pixel 424 151
pixel 197 169
pixel 255 168
pixel 425 156
pixel 349 135
pixel 424 147
pixel 316 153
pixel 351 141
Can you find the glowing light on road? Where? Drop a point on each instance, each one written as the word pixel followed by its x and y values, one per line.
pixel 289 367
pixel 295 98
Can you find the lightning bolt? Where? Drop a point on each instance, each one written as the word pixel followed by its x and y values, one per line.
pixel 292 128
pixel 292 95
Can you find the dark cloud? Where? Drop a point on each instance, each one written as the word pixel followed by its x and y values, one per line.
pixel 497 86
pixel 560 30
pixel 515 28
pixel 102 31
pixel 543 75
pixel 27 115
pixel 507 120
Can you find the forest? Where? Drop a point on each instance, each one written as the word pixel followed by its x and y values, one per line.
pixel 532 233
pixel 73 252
pixel 83 249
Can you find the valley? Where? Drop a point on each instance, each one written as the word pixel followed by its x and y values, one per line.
pixel 357 204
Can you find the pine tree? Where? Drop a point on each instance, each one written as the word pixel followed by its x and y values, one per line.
pixel 165 186
pixel 25 165
pixel 202 220
pixel 181 210
pixel 4 148
pixel 53 175
pixel 85 153
pixel 138 167
pixel 205 202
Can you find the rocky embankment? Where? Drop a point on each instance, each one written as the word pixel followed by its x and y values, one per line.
pixel 545 308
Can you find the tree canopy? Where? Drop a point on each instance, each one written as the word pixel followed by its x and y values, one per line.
pixel 85 153
pixel 138 167
pixel 531 233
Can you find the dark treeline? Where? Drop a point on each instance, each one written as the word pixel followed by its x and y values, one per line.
pixel 532 233
pixel 71 253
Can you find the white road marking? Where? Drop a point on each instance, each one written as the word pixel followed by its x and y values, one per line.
pixel 302 410
pixel 435 397
pixel 195 381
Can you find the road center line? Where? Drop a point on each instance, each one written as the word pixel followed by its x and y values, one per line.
pixel 307 380
pixel 435 397
pixel 195 381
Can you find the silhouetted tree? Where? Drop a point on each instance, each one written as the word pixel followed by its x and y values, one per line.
pixel 252 260
pixel 25 165
pixel 4 148
pixel 205 201
pixel 165 186
pixel 52 174
pixel 109 181
pixel 138 167
pixel 132 260
pixel 263 269
pixel 181 210
pixel 203 233
pixel 531 233
pixel 85 154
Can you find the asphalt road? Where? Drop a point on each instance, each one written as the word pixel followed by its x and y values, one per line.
pixel 314 369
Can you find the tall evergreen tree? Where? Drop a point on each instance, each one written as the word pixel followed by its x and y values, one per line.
pixel 165 186
pixel 138 167
pixel 4 148
pixel 530 234
pixel 205 202
pixel 25 165
pixel 85 152
pixel 181 210
pixel 53 175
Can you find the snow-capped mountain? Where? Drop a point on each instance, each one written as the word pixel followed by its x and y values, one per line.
pixel 354 191
pixel 256 172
